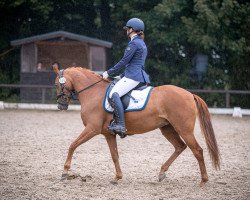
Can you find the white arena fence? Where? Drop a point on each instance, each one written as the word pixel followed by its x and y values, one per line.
pixel 236 111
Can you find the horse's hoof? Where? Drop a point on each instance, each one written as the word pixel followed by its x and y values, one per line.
pixel 161 177
pixel 64 176
pixel 202 183
pixel 114 182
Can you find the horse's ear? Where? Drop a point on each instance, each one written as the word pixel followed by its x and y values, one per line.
pixel 56 69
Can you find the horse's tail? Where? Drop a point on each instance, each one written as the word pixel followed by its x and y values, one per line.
pixel 208 131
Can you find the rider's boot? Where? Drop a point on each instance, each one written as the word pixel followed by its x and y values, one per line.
pixel 119 125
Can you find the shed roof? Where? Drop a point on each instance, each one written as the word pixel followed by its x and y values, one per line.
pixel 64 34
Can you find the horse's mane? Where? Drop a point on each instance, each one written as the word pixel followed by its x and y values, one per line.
pixel 87 71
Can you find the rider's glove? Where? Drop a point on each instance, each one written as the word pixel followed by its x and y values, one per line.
pixel 105 75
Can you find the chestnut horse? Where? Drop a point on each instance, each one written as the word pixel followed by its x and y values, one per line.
pixel 171 109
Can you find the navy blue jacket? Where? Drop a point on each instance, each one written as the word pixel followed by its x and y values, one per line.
pixel 133 60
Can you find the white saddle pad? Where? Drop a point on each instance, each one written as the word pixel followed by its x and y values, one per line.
pixel 138 100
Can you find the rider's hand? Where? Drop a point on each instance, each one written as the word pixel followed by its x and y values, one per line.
pixel 105 75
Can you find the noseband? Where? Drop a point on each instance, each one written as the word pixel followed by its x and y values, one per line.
pixel 72 93
pixel 62 81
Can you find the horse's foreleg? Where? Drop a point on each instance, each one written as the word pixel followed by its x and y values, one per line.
pixel 87 134
pixel 111 140
pixel 173 137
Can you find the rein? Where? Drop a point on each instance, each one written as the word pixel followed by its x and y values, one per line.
pixel 62 82
pixel 88 87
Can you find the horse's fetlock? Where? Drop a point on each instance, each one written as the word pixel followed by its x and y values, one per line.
pixel 163 169
pixel 119 176
pixel 205 179
pixel 66 167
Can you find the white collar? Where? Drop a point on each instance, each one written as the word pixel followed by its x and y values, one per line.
pixel 133 37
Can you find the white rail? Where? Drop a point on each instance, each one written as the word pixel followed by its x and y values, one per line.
pixel 236 112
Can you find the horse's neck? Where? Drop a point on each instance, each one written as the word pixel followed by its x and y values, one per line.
pixel 94 94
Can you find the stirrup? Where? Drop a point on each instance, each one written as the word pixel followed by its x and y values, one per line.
pixel 117 129
pixel 110 125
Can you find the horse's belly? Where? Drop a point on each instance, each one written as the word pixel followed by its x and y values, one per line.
pixel 137 124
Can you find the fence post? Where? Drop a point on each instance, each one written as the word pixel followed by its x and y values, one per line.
pixel 43 95
pixel 227 99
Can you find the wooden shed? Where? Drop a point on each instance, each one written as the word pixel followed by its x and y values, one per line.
pixel 39 52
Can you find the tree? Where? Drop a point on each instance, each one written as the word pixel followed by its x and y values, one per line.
pixel 24 18
pixel 175 32
pixel 221 29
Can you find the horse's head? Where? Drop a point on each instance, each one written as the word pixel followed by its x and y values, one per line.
pixel 64 88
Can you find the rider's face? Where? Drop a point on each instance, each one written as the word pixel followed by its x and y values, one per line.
pixel 129 31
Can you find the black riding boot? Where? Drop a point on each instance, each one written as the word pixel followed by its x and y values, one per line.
pixel 118 126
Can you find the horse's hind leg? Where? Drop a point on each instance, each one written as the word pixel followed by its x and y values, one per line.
pixel 198 153
pixel 173 137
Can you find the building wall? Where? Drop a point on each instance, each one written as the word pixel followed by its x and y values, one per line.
pixel 28 57
pixel 66 52
pixel 97 58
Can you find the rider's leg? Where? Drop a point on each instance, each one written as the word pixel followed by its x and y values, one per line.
pixel 119 125
pixel 121 88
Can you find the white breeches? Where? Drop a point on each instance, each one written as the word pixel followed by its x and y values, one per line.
pixel 123 86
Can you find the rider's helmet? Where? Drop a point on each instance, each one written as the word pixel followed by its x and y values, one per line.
pixel 136 24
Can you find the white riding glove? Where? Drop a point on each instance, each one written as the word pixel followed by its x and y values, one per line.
pixel 105 75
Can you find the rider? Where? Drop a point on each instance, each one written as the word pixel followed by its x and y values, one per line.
pixel 133 60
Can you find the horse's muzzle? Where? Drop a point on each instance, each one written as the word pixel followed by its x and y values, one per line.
pixel 62 105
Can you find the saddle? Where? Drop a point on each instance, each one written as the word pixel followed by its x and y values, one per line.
pixel 127 97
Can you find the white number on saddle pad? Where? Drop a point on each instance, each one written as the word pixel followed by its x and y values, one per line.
pixel 62 80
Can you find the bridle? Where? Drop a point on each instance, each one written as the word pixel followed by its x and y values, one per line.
pixel 72 93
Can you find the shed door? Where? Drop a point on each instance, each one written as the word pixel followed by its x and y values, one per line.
pixel 97 58
pixel 28 58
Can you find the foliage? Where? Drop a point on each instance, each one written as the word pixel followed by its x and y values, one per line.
pixel 175 32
